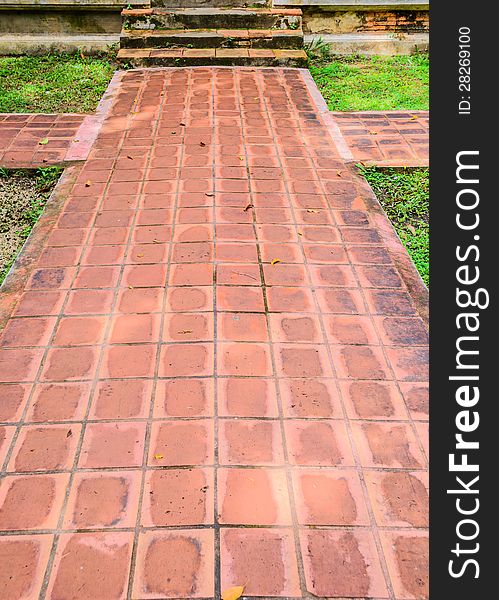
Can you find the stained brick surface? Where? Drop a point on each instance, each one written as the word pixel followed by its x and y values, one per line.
pixel 398 139
pixel 215 374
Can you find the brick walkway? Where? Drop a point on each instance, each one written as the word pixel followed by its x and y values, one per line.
pixel 390 139
pixel 181 413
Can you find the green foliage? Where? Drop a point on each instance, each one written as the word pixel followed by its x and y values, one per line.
pixel 53 83
pixel 404 195
pixel 350 83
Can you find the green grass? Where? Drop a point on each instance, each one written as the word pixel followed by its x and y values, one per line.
pixel 53 83
pixel 373 82
pixel 405 197
pixel 23 195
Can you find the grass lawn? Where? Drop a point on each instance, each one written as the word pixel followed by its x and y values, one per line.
pixel 53 83
pixel 23 195
pixel 405 197
pixel 353 83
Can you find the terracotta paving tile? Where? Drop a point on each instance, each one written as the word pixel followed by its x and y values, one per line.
pixel 256 496
pixel 91 565
pixel 178 406
pixel 32 501
pixel 173 564
pixel 329 497
pixel 178 497
pixel 24 560
pixel 102 500
pixel 407 559
pixel 352 568
pixel 264 558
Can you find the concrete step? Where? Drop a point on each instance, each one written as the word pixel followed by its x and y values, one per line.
pixel 176 57
pixel 213 38
pixel 212 18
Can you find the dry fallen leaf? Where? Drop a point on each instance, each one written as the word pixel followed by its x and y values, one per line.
pixel 130 157
pixel 185 331
pixel 69 433
pixel 88 183
pixel 233 593
pixel 140 255
pixel 339 173
pixel 241 158
pixel 300 233
pixel 209 195
pixel 414 117
pixel 246 209
pixel 373 132
pixel 202 144
pixel 312 210
pixel 275 261
pixel 158 456
pixel 43 142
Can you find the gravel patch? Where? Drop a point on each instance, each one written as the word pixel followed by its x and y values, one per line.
pixel 23 195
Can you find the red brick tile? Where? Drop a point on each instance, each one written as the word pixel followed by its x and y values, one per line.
pixel 118 444
pixel 32 501
pixel 416 396
pixel 103 255
pixel 310 398
pixel 295 328
pixel 32 304
pixel 240 298
pixel 244 359
pixel 190 299
pixel 130 329
pixel 106 499
pixel 144 276
pixel 188 327
pixel 129 361
pixel 387 445
pixel 264 559
pixel 97 277
pixel 186 359
pixel 178 497
pixel 296 360
pixel 373 400
pixel 175 563
pixel 177 443
pixel 407 559
pixel 409 363
pixel 286 275
pixel 66 364
pixel 329 497
pixel 345 329
pixel 318 443
pixel 243 327
pixel 81 302
pixel 91 565
pixel 250 442
pixel 290 299
pixel 19 364
pixel 398 498
pixel 256 496
pixel 195 274
pixel 121 399
pixel 24 560
pixel 13 399
pixel 184 398
pixel 352 568
pixel 348 302
pixel 50 448
pixel 6 436
pixel 140 300
pixel 247 397
pixel 58 402
pixel 76 331
pixel 359 362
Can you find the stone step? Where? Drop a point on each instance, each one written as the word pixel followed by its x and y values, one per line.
pixel 212 38
pixel 176 57
pixel 212 18
pixel 208 3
